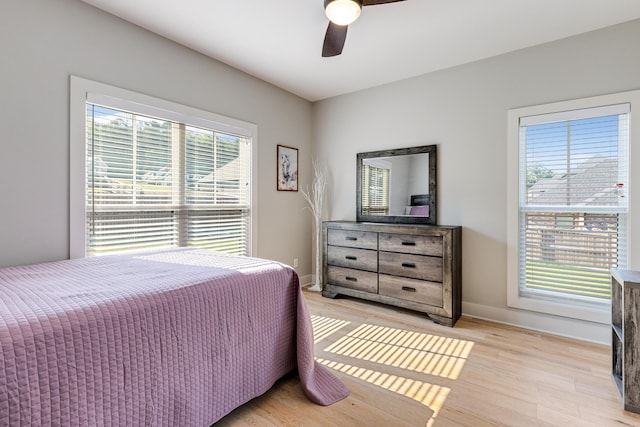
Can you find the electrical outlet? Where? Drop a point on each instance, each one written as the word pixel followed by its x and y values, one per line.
pixel 295 263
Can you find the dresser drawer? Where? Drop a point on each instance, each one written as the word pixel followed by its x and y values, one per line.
pixel 361 259
pixel 411 244
pixel 355 279
pixel 414 266
pixel 411 290
pixel 353 239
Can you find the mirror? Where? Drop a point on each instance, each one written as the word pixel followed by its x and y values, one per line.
pixel 397 186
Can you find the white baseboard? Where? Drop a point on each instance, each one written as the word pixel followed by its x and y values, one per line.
pixel 306 280
pixel 587 331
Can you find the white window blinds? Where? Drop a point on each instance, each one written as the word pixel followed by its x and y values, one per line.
pixel 156 182
pixel 375 189
pixel 573 202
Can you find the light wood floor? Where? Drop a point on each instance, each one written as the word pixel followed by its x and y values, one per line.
pixel 404 370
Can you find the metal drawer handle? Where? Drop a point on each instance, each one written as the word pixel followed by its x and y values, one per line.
pixel 409 264
pixel 408 289
pixel 351 257
pixel 406 243
pixel 351 238
pixel 351 279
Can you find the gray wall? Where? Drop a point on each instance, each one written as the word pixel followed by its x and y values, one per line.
pixel 44 41
pixel 464 111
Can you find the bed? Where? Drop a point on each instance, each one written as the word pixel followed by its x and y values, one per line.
pixel 163 338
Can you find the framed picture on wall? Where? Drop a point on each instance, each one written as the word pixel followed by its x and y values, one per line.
pixel 287 158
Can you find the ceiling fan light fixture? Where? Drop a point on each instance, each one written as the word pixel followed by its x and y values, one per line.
pixel 342 12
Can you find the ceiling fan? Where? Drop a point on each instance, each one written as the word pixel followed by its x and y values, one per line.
pixel 341 13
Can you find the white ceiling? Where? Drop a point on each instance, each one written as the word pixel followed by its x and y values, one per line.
pixel 280 41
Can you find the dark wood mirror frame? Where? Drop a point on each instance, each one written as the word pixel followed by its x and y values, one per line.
pixel 431 150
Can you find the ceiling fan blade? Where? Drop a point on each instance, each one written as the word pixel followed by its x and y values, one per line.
pixel 334 40
pixel 375 2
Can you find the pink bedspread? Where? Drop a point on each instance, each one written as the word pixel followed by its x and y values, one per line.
pixel 167 338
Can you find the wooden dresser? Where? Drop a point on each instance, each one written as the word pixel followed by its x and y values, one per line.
pixel 412 266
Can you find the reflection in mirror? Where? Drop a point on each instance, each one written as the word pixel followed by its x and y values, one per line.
pixel 397 186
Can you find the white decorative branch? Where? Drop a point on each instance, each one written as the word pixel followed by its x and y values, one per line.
pixel 315 198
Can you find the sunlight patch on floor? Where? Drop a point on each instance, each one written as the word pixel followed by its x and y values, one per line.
pixel 431 395
pixel 414 351
pixel 325 326
pixel 399 348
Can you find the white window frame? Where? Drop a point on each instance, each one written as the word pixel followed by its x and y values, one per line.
pixel 82 90
pixel 597 314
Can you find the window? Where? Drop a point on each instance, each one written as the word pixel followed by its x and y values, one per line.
pixel 157 177
pixel 569 217
pixel 375 187
pixel 573 167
